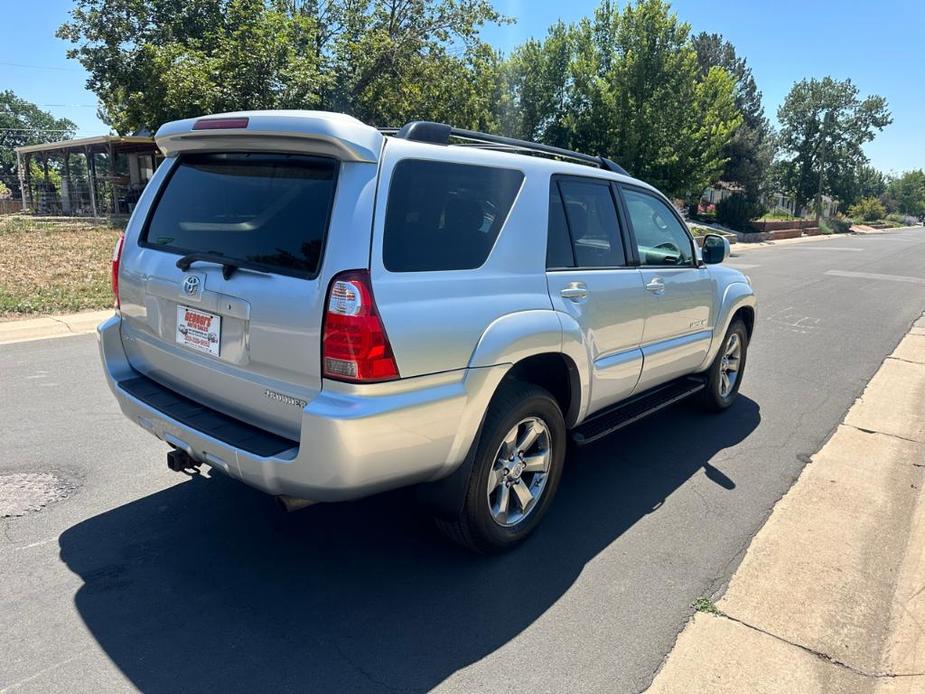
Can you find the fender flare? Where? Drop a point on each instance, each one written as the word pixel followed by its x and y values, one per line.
pixel 516 336
pixel 736 295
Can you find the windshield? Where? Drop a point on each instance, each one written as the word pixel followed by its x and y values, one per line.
pixel 269 211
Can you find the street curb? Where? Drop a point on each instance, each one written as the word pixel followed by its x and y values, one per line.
pixel 46 327
pixel 828 596
pixel 753 245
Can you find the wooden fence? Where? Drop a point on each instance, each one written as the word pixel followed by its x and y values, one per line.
pixel 9 206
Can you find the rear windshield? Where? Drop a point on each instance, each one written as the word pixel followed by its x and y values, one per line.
pixel 444 216
pixel 269 211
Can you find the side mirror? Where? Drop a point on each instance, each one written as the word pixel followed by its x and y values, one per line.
pixel 715 249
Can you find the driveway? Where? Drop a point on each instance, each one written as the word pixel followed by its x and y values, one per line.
pixel 150 579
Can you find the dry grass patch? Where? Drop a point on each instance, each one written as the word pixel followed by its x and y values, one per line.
pixel 54 265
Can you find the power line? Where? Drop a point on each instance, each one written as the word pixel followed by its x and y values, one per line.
pixel 42 67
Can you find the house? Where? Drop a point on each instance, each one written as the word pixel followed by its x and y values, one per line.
pixel 719 191
pixel 775 202
pixel 784 203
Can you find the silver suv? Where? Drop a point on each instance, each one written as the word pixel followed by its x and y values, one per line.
pixel 324 311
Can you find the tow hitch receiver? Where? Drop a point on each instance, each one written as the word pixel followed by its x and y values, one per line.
pixel 179 461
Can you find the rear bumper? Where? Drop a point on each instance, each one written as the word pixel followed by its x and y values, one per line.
pixel 354 440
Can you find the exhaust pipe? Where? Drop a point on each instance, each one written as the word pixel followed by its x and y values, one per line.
pixel 291 503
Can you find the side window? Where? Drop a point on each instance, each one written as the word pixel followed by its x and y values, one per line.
pixel 558 243
pixel 659 235
pixel 592 221
pixel 443 216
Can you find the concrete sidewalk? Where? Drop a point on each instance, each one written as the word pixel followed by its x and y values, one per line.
pixel 51 326
pixel 830 596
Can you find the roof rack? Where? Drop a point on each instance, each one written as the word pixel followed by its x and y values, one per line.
pixel 440 134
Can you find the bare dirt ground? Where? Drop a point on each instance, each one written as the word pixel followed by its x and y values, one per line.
pixel 54 265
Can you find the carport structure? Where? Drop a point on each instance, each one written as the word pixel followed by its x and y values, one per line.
pixel 98 175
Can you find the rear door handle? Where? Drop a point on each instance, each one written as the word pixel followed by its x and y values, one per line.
pixel 656 285
pixel 576 291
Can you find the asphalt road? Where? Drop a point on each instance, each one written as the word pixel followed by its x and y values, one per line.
pixel 149 579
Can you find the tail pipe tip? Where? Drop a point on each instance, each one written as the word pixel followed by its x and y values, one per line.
pixel 291 503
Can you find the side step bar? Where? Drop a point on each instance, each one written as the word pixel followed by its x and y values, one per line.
pixel 635 408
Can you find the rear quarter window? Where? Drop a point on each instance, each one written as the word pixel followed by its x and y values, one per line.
pixel 268 211
pixel 445 216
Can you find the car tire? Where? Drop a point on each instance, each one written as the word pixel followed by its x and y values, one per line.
pixel 724 377
pixel 510 487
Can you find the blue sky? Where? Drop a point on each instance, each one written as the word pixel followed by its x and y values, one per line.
pixel 876 44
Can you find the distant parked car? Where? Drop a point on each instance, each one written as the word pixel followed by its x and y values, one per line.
pixel 325 311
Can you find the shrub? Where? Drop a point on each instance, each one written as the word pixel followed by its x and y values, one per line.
pixel 903 220
pixel 5 192
pixel 777 216
pixel 868 210
pixel 736 211
pixel 835 225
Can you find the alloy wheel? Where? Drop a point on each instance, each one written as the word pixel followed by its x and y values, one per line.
pixel 520 471
pixel 729 364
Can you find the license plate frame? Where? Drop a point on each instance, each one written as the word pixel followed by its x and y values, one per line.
pixel 199 330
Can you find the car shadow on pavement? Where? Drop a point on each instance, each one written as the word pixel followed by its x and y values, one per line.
pixel 206 586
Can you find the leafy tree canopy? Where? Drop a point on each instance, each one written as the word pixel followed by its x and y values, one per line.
pixel 824 125
pixel 751 149
pixel 854 183
pixel 23 123
pixel 385 61
pixel 906 193
pixel 626 84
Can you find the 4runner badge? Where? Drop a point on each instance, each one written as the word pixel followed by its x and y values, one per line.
pixel 284 399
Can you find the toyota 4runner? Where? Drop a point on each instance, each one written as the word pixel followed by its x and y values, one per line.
pixel 324 310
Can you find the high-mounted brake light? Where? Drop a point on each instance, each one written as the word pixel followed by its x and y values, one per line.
pixel 354 345
pixel 219 123
pixel 116 259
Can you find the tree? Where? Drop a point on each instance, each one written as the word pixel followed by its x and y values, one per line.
pixel 626 84
pixel 906 193
pixel 536 88
pixel 750 151
pixel 385 61
pixel 23 123
pixel 853 183
pixel 824 125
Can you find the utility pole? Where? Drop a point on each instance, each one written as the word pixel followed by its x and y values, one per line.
pixel 823 150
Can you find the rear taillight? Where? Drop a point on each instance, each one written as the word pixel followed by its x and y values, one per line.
pixel 354 346
pixel 116 259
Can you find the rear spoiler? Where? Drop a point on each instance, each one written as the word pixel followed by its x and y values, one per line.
pixel 318 132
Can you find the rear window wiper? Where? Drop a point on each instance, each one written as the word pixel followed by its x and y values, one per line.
pixel 228 267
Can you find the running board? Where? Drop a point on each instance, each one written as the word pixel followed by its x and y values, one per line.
pixel 635 408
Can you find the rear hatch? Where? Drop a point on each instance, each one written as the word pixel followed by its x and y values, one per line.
pixel 222 283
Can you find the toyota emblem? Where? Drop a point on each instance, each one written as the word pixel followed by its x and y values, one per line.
pixel 191 285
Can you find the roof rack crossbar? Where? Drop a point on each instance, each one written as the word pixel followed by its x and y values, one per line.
pixel 440 134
